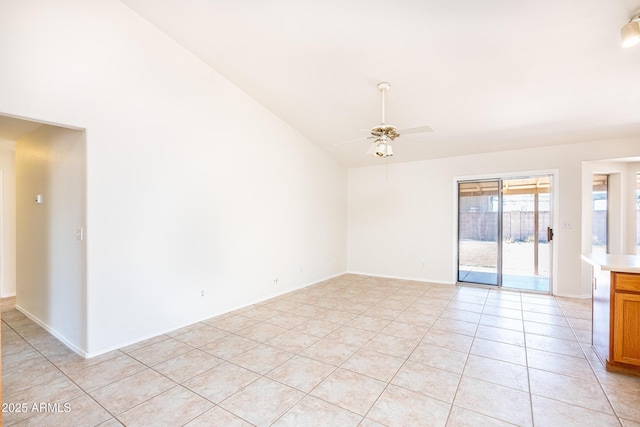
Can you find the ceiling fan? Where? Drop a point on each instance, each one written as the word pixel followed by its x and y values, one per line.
pixel 383 134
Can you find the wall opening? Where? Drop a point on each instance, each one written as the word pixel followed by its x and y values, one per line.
pixel 49 202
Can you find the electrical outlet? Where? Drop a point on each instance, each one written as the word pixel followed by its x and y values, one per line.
pixel 202 292
pixel 275 281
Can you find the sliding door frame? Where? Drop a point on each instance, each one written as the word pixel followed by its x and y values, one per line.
pixel 498 254
pixel 554 201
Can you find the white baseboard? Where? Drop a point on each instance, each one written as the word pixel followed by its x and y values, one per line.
pixel 53 332
pixel 414 279
pixel 580 296
pixel 85 354
pixel 176 327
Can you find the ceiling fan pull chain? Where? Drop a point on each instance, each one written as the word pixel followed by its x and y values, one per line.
pixel 386 167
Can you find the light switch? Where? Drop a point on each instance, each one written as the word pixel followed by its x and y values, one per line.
pixel 79 234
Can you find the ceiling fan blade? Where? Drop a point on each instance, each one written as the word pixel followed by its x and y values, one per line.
pixel 418 129
pixel 372 132
pixel 355 140
pixel 350 141
pixel 372 149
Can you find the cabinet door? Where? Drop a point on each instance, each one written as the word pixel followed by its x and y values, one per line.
pixel 626 329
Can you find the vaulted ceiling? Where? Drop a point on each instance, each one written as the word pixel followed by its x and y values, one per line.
pixel 485 75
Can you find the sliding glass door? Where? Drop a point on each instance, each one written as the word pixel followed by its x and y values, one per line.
pixel 479 232
pixel 526 219
pixel 504 232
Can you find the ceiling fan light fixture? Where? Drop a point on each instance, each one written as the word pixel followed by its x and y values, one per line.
pixel 630 32
pixel 383 134
pixel 383 149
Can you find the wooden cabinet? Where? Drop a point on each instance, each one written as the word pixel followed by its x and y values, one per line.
pixel 626 328
pixel 616 320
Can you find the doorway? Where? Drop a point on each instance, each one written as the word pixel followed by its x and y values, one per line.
pixel 48 176
pixel 600 214
pixel 505 232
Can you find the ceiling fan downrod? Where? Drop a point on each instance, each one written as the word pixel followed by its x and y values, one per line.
pixel 383 87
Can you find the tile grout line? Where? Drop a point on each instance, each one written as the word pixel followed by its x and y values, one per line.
pixel 466 360
pixel 399 369
pixel 84 392
pixel 526 356
pixel 604 392
pixel 340 301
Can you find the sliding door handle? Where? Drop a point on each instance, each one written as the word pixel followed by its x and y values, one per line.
pixel 549 234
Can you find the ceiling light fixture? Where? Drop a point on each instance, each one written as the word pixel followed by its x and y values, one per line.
pixel 383 147
pixel 630 32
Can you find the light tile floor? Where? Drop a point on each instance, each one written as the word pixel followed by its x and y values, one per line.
pixel 354 350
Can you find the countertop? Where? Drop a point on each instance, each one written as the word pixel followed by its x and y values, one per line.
pixel 609 262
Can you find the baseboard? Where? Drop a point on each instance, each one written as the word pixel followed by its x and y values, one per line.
pixel 52 331
pixel 413 279
pixel 421 279
pixel 580 296
pixel 174 328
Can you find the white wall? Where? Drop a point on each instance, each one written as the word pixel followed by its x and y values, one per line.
pixel 50 162
pixel 191 184
pixel 8 219
pixel 398 224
